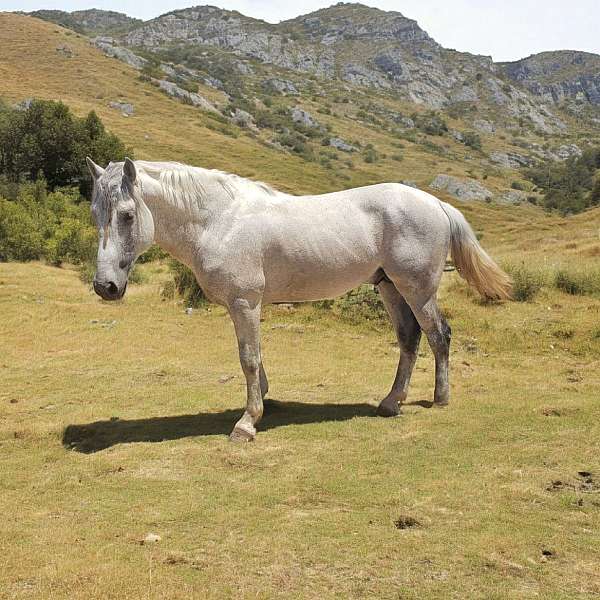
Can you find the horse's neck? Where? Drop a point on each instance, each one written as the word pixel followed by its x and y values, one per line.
pixel 174 220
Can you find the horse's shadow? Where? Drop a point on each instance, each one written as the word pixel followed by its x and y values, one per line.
pixel 93 437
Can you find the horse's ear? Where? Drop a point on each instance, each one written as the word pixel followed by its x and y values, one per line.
pixel 95 170
pixel 129 170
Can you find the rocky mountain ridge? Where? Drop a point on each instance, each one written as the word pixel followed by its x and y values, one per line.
pixel 90 22
pixel 368 47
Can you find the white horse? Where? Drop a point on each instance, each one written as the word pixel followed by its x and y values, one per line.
pixel 250 245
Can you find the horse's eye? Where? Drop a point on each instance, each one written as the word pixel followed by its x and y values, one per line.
pixel 127 217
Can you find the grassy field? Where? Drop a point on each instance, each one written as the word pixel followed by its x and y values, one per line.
pixel 114 422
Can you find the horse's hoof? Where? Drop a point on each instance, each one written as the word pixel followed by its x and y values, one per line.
pixel 441 403
pixel 384 410
pixel 239 434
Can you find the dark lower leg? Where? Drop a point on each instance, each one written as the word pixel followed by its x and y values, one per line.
pixel 408 334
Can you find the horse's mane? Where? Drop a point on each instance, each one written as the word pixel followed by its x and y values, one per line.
pixel 187 186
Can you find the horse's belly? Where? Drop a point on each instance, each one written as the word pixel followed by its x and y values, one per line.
pixel 317 283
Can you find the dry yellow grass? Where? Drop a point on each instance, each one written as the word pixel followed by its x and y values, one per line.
pixel 143 396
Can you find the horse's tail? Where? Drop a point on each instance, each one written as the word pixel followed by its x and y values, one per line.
pixel 472 261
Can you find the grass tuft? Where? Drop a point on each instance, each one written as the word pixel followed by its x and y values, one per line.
pixel 527 281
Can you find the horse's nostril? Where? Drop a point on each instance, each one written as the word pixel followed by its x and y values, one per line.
pixel 107 290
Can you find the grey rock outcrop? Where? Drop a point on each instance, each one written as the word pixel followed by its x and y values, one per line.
pixel 512 197
pixel 466 190
pixel 108 46
pixel 280 86
pixel 173 90
pixel 557 77
pixel 243 119
pixel 126 108
pixel 484 126
pixel 303 117
pixel 340 144
pixel 510 160
pixel 566 151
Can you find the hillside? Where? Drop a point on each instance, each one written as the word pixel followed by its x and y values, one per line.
pixel 63 65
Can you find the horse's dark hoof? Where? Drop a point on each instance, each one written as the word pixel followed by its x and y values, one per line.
pixel 240 434
pixel 387 409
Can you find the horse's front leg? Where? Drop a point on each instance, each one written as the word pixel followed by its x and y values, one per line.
pixel 246 319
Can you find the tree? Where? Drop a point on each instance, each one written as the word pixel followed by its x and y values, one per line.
pixel 47 138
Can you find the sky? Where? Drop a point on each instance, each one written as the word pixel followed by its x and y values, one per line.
pixel 504 29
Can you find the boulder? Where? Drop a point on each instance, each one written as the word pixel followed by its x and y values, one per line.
pixel 510 160
pixel 466 190
pixel 24 104
pixel 484 126
pixel 280 86
pixel 126 108
pixel 303 117
pixel 107 45
pixel 243 119
pixel 173 90
pixel 457 135
pixel 513 197
pixel 567 151
pixel 342 145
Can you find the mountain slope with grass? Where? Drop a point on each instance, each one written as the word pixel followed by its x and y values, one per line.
pixel 389 139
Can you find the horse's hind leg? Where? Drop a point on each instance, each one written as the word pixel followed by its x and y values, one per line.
pixel 408 333
pixel 438 334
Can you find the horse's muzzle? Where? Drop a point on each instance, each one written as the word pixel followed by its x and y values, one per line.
pixel 109 290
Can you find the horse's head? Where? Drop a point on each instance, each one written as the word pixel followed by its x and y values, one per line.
pixel 125 225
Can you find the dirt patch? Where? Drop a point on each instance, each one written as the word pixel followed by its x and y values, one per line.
pixel 553 411
pixel 587 482
pixel 584 482
pixel 178 558
pixel 406 522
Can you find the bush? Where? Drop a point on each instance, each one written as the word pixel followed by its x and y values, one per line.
pixel 526 282
pixel 20 237
pixel 577 282
pixel 357 306
pixel 430 123
pixel 571 186
pixel 186 285
pixel 152 254
pixel 73 241
pixel 472 139
pixel 370 154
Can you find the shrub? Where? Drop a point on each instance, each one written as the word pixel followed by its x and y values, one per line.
pixel 370 154
pixel 360 305
pixel 430 123
pixel 20 236
pixel 472 139
pixel 526 282
pixel 577 282
pixel 152 254
pixel 571 186
pixel 186 285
